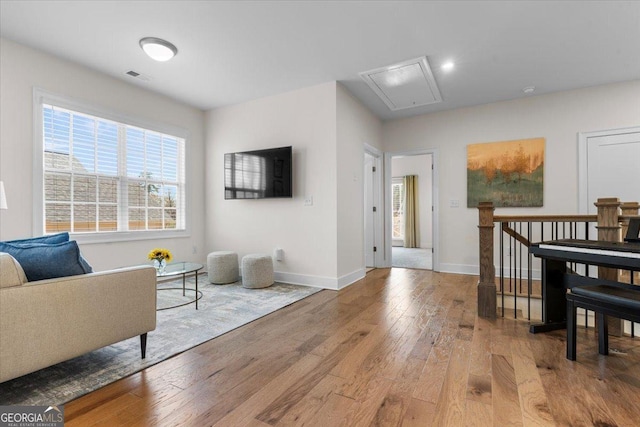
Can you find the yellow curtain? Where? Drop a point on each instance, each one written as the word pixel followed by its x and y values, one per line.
pixel 411 235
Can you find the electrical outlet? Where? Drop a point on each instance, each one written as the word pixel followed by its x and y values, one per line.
pixel 195 249
pixel 308 201
pixel 454 203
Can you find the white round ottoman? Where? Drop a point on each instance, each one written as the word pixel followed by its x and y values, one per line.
pixel 257 271
pixel 223 267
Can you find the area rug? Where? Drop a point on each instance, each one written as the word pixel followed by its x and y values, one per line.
pixel 221 309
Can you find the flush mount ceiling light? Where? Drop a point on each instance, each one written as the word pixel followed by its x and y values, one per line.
pixel 529 90
pixel 158 49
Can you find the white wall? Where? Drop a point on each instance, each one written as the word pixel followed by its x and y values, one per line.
pixel 323 242
pixel 327 127
pixel 557 117
pixel 419 165
pixel 356 126
pixel 22 69
pixel 306 120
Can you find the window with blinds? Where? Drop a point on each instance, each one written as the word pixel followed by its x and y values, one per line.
pixel 397 208
pixel 104 176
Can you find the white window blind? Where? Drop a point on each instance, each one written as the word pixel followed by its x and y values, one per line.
pixel 397 208
pixel 103 176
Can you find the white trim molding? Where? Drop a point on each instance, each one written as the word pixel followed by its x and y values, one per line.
pixel 323 282
pixel 379 231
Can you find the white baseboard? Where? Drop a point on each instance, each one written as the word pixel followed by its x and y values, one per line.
pixel 320 281
pixel 351 278
pixel 472 270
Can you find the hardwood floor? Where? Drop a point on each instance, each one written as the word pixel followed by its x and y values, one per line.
pixel 400 347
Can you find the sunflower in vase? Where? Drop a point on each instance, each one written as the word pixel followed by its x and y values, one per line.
pixel 160 257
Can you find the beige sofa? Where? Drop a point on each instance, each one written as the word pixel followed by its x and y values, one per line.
pixel 48 321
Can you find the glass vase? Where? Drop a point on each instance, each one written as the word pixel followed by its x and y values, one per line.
pixel 160 265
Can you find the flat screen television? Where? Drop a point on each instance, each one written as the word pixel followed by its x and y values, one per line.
pixel 258 174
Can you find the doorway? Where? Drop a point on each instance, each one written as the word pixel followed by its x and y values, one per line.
pixel 411 183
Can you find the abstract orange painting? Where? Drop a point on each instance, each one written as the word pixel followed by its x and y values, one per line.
pixel 507 173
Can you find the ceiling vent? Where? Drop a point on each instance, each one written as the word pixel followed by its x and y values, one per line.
pixel 137 75
pixel 405 85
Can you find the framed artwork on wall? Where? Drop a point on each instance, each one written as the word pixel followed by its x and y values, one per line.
pixel 507 173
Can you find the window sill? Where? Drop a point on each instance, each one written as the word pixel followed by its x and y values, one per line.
pixel 127 236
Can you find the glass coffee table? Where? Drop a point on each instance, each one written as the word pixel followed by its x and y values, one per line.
pixel 182 269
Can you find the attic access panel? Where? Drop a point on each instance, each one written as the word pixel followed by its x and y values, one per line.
pixel 405 85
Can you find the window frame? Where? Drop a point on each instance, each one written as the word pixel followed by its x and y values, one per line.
pixel 41 97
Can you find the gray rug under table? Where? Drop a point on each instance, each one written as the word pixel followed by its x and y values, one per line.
pixel 221 309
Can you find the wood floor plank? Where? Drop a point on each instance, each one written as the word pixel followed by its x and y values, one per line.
pixel 283 402
pixel 370 410
pixel 89 403
pixel 400 395
pixel 255 404
pixel 419 414
pixel 480 359
pixel 305 411
pixel 451 404
pixel 533 399
pixel 433 373
pixel 355 358
pixel 106 410
pixel 504 392
pixel 479 388
pixel 478 414
pixel 335 412
pixel 400 347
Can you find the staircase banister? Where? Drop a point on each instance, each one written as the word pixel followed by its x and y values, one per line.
pixel 545 218
pixel 487 283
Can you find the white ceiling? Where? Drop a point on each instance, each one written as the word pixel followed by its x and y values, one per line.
pixel 231 52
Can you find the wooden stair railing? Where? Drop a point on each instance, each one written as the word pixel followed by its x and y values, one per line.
pixel 611 223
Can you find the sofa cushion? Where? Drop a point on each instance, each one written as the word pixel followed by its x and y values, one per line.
pixel 47 261
pixel 49 239
pixel 11 273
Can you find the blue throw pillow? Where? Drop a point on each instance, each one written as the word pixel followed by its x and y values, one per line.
pixel 85 265
pixel 46 261
pixel 49 239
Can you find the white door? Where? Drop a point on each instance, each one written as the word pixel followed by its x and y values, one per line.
pixel 612 166
pixel 369 214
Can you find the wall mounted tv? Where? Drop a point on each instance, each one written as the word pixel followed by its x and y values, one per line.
pixel 259 174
